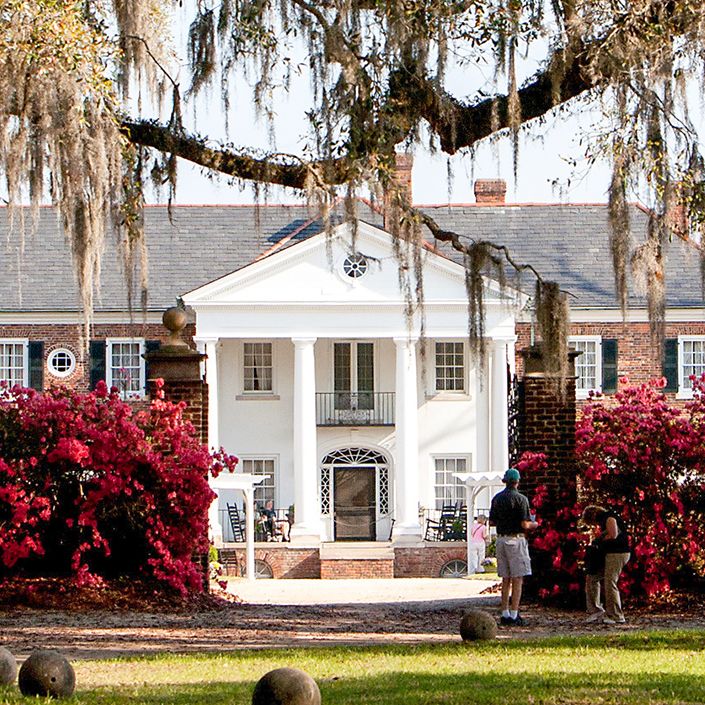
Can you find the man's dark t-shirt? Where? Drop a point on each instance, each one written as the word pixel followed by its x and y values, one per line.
pixel 509 509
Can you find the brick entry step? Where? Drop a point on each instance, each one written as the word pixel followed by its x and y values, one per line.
pixel 356 560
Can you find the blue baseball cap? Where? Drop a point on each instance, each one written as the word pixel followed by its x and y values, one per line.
pixel 512 475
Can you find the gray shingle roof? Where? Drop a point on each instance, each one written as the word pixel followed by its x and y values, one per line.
pixel 198 245
pixel 566 243
pixel 570 244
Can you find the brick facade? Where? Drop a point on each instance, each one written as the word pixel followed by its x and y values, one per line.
pixel 639 361
pixel 71 337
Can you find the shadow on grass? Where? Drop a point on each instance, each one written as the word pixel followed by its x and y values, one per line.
pixel 403 688
pixel 608 669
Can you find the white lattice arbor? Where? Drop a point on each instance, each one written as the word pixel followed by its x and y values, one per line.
pixel 244 482
pixel 475 482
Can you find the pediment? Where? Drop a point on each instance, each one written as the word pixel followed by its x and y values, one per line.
pixel 327 269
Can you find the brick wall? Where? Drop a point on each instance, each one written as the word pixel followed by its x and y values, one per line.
pixel 285 561
pixel 426 561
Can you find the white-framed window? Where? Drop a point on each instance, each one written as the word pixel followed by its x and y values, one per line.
pixel 267 489
pixel 258 368
pixel 61 362
pixel 691 362
pixel 449 361
pixel 125 367
pixel 354 374
pixel 588 366
pixel 449 489
pixel 14 361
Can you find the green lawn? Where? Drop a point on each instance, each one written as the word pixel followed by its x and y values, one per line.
pixel 647 667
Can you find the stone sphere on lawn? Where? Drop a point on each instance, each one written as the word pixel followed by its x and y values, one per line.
pixel 477 625
pixel 47 673
pixel 286 686
pixel 8 667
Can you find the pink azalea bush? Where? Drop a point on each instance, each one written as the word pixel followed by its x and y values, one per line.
pixel 92 489
pixel 645 459
pixel 557 546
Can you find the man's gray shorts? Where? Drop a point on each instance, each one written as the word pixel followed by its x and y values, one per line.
pixel 513 557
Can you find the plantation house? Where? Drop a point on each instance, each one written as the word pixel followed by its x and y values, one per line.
pixel 357 411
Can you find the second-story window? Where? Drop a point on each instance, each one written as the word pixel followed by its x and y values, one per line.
pixel 257 371
pixel 353 375
pixel 450 367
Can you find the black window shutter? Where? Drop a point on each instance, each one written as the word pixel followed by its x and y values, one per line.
pixel 609 365
pixel 670 364
pixel 97 354
pixel 36 364
pixel 149 346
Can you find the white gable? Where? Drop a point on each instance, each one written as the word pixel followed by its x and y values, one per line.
pixel 290 290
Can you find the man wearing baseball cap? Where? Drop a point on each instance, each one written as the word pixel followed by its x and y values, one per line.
pixel 510 514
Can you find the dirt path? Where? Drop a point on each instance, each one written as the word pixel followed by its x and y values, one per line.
pixel 86 634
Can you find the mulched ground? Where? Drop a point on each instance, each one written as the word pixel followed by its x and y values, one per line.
pixel 106 623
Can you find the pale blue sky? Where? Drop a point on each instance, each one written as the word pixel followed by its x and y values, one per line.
pixel 551 158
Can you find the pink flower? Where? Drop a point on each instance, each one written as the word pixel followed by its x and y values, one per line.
pixel 70 449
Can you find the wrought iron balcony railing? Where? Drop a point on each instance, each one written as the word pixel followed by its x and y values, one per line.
pixel 355 408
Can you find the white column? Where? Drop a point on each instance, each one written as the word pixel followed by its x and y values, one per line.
pixel 499 406
pixel 406 472
pixel 249 495
pixel 211 350
pixel 482 415
pixel 210 370
pixel 215 528
pixel 307 509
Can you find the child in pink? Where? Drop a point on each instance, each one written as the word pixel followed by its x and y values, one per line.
pixel 478 542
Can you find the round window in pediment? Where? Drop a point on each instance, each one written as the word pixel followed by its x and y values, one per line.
pixel 355 266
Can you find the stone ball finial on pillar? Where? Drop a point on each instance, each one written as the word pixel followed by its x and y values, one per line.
pixel 175 320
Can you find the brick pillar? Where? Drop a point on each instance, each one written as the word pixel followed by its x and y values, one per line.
pixel 548 423
pixel 179 366
pixel 549 428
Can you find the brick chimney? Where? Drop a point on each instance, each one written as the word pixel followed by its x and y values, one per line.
pixel 677 218
pixel 403 164
pixel 489 191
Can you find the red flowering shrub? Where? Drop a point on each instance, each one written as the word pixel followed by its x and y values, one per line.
pixel 91 489
pixel 646 460
pixel 556 547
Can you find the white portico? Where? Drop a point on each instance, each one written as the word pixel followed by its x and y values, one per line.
pixel 318 378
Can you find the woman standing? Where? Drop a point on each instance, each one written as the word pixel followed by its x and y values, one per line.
pixel 610 536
